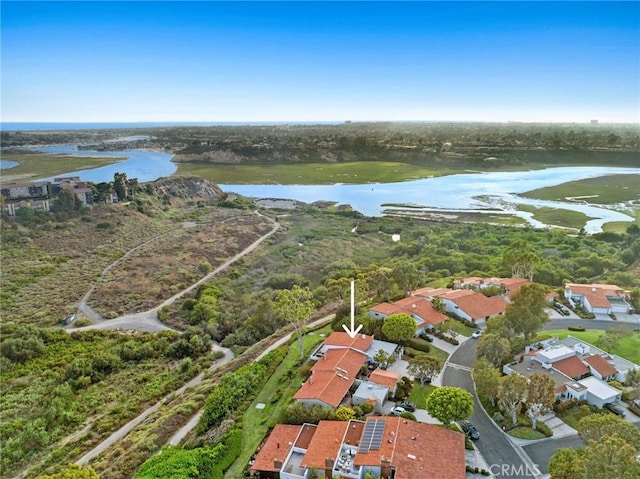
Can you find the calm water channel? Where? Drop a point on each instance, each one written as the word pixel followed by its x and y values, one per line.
pixel 472 191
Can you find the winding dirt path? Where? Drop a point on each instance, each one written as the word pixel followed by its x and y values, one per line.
pixel 148 320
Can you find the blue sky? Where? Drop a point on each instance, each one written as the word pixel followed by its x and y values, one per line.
pixel 324 61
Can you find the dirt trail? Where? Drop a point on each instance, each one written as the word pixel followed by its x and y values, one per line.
pixel 148 320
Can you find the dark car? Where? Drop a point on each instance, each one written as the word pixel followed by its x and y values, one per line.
pixel 470 430
pixel 426 337
pixel 615 409
pixel 409 406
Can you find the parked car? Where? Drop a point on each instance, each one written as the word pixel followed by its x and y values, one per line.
pixel 615 409
pixel 69 319
pixel 426 337
pixel 409 406
pixel 476 334
pixel 470 430
pixel 396 411
pixel 561 308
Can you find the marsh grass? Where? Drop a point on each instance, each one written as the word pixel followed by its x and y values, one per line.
pixel 43 165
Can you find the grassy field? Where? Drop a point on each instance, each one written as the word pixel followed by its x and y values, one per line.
pixel 42 165
pixel 629 345
pixel 605 190
pixel 557 216
pixel 313 173
pixel 276 396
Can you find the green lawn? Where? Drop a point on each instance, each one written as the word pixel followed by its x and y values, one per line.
pixel 525 433
pixel 459 328
pixel 572 416
pixel 437 353
pixel 419 395
pixel 276 395
pixel 629 345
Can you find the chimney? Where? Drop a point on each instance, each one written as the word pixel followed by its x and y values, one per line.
pixel 385 468
pixel 328 467
pixel 277 464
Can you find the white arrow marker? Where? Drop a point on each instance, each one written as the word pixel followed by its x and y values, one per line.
pixel 352 332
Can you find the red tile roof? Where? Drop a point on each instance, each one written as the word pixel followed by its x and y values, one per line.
pixel 571 367
pixel 476 304
pixel 413 305
pixel 361 342
pixel 601 365
pixel 330 387
pixel 276 447
pixel 513 285
pixel 332 376
pixel 423 309
pixel 345 361
pixel 386 308
pixel 418 450
pixel 595 293
pixel 326 443
pixel 385 378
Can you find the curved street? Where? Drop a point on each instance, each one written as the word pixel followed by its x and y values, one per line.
pixel 506 459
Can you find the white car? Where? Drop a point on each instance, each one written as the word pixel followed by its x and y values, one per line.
pixel 476 334
pixel 396 411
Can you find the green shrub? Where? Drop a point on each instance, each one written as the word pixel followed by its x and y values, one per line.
pixel 419 344
pixel 576 328
pixel 544 429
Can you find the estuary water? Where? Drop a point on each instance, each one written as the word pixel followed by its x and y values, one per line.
pixel 470 191
pixel 145 165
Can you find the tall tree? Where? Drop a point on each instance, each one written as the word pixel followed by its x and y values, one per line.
pixel 295 306
pixel 487 380
pixel 380 278
pixel 406 275
pixel 66 201
pixel 120 185
pixel 513 389
pixel 495 349
pixel 595 426
pixel 611 457
pixel 540 396
pixel 568 463
pixel 399 328
pixel 449 403
pixel 423 368
pixel 526 312
pixel 521 258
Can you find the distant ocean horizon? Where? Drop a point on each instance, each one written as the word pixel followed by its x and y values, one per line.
pixel 53 126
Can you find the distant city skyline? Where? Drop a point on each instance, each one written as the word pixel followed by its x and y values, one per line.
pixel 216 62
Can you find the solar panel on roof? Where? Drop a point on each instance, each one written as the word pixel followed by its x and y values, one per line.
pixel 372 436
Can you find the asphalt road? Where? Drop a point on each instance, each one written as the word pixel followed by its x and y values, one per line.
pixel 541 452
pixel 504 458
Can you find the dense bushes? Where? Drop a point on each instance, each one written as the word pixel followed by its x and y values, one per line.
pixel 576 328
pixel 237 388
pixel 563 406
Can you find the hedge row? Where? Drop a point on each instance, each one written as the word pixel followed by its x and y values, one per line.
pixel 238 388
pixel 419 344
